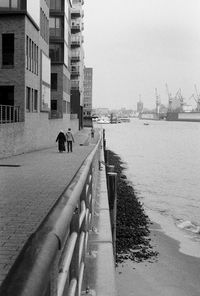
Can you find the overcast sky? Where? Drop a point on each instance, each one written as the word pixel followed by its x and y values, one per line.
pixel 135 46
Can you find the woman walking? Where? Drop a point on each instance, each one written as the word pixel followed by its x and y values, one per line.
pixel 61 139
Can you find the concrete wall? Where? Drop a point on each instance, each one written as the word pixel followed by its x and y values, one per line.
pixel 37 132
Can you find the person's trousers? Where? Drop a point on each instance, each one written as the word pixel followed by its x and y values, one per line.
pixel 69 146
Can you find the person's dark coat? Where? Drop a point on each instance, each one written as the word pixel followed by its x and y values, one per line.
pixel 61 139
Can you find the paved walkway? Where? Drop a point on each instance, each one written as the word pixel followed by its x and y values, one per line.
pixel 30 184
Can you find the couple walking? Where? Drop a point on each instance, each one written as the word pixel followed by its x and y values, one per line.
pixel 62 138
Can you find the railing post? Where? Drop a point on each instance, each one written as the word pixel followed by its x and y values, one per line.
pixel 74 267
pixel 112 195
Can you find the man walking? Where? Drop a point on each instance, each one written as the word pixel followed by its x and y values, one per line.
pixel 70 139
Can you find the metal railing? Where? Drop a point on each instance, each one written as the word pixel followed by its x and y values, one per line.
pixel 9 114
pixel 53 260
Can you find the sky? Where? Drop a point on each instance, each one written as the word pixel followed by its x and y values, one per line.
pixel 135 46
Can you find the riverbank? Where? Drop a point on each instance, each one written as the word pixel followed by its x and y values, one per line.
pixel 149 262
pixel 172 274
pixel 132 231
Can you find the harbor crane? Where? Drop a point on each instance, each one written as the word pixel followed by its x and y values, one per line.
pixel 180 98
pixel 157 101
pixel 169 97
pixel 198 98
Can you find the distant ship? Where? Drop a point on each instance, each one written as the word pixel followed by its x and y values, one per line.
pixel 103 120
pixel 179 111
pixel 192 116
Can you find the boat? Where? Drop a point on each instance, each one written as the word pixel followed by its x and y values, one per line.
pixel 103 120
pixel 193 116
pixel 124 119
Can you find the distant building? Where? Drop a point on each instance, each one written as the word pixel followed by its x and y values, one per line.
pixel 140 106
pixel 77 59
pixel 24 59
pixel 87 99
pixel 60 52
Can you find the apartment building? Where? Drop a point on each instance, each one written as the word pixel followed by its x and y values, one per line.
pixel 24 59
pixel 34 89
pixel 77 59
pixel 87 99
pixel 60 52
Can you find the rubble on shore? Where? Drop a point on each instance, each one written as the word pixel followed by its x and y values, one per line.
pixel 132 234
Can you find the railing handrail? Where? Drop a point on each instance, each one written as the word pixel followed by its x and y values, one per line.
pixel 29 274
pixel 9 113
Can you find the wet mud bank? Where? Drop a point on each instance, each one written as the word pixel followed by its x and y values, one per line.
pixel 133 240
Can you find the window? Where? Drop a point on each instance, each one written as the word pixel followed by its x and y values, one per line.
pixel 7 49
pixel 55 25
pixel 31 56
pixel 27 52
pixel 28 99
pixel 7 95
pixel 14 4
pixel 35 100
pixel 10 4
pixel 55 52
pixel 54 81
pixel 29 62
pixel 37 60
pixel 55 4
pixel 54 105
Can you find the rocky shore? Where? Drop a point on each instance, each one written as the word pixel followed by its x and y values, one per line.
pixel 132 235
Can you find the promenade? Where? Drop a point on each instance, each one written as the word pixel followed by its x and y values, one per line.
pixel 31 183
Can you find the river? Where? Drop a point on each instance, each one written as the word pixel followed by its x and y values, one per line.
pixel 163 164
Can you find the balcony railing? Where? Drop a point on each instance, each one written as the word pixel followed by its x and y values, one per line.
pixel 76 13
pixel 75 58
pixel 75 28
pixel 74 85
pixel 75 70
pixel 9 114
pixel 76 42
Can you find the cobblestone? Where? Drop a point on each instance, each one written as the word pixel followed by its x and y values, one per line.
pixel 29 191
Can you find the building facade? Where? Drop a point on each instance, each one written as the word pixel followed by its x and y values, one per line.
pixel 87 99
pixel 33 89
pixel 60 52
pixel 77 59
pixel 24 59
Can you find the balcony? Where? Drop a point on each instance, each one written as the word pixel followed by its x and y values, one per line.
pixel 75 28
pixel 9 114
pixel 75 58
pixel 76 42
pixel 75 71
pixel 76 13
pixel 75 85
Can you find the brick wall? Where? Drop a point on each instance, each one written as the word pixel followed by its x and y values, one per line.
pixel 14 76
pixel 37 132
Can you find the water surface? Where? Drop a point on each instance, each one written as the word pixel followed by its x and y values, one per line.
pixel 163 163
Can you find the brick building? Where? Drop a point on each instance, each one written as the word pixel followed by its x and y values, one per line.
pixel 77 59
pixel 24 59
pixel 30 96
pixel 87 99
pixel 60 52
